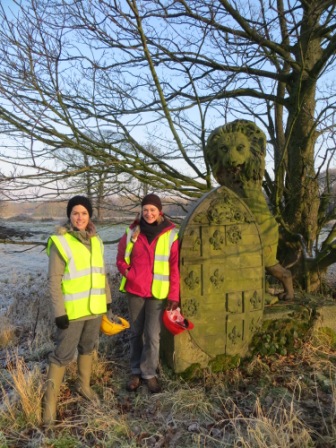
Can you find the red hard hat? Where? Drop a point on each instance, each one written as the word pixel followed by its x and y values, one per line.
pixel 175 322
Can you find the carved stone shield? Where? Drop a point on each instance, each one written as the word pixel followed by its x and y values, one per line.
pixel 222 281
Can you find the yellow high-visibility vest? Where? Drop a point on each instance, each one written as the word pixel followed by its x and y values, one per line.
pixel 83 282
pixel 161 270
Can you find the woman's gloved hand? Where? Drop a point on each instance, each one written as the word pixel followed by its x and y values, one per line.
pixel 172 305
pixel 62 322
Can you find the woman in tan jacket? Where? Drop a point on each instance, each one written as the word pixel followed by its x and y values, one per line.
pixel 80 295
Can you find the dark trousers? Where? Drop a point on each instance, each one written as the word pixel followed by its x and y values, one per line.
pixel 146 322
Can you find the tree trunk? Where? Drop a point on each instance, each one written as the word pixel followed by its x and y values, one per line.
pixel 301 193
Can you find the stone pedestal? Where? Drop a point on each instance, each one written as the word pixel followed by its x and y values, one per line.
pixel 286 326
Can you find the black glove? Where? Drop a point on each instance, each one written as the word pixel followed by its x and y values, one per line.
pixel 62 322
pixel 172 305
pixel 108 306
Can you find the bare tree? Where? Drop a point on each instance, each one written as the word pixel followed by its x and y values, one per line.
pixel 61 91
pixel 165 74
pixel 98 181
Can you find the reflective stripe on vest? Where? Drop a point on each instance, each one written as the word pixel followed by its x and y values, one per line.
pixel 83 281
pixel 161 269
pixel 127 256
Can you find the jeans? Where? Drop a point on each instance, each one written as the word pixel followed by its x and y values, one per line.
pixel 81 335
pixel 146 322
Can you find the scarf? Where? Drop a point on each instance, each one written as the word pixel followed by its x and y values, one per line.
pixel 84 236
pixel 151 231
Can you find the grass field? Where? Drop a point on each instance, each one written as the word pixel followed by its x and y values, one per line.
pixel 278 401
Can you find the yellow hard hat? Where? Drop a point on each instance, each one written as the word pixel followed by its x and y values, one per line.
pixel 114 325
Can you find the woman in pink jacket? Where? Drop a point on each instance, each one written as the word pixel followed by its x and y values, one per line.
pixel 148 259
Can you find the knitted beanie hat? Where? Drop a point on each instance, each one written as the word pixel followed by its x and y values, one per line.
pixel 79 200
pixel 152 199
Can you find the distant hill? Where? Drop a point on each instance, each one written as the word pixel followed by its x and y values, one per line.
pixel 32 210
pixel 56 210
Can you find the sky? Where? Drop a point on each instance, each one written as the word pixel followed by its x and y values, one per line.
pixel 140 134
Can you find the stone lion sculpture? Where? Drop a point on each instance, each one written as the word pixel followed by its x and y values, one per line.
pixel 236 154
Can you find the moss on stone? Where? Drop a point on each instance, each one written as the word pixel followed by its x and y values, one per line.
pixel 282 336
pixel 194 371
pixel 285 328
pixel 222 363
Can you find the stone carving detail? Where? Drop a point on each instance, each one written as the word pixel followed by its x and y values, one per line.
pixel 223 211
pixel 217 279
pixel 196 241
pixel 236 153
pixel 221 267
pixel 255 300
pixel 190 306
pixel 234 234
pixel 234 336
pixel 192 280
pixel 217 240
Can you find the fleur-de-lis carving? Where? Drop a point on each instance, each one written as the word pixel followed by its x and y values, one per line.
pixel 192 281
pixel 195 240
pixel 216 278
pixel 255 300
pixel 217 240
pixel 196 244
pixel 234 336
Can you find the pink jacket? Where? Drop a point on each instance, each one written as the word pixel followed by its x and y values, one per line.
pixel 140 274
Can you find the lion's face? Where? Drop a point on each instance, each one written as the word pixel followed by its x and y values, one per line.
pixel 233 150
pixel 236 153
pixel 229 155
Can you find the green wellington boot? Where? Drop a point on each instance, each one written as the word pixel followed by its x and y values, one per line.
pixel 50 397
pixel 82 386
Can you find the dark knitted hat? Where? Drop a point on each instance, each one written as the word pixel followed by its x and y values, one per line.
pixel 152 199
pixel 79 200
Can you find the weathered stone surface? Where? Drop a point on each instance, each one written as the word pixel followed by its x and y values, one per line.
pixel 326 316
pixel 287 326
pixel 284 329
pixel 236 153
pixel 320 311
pixel 222 281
